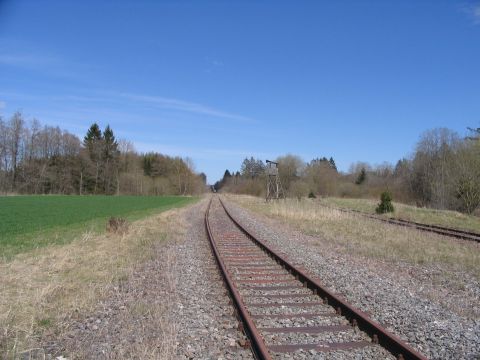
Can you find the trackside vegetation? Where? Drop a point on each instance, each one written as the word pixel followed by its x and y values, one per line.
pixel 33 221
pixel 446 218
pixel 442 173
pixel 385 205
pixel 369 238
pixel 36 159
pixel 48 288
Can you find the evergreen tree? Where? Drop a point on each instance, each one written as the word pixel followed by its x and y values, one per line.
pixel 385 205
pixel 332 163
pixel 92 140
pixel 147 161
pixel 110 155
pixel 226 175
pixel 361 177
pixel 110 150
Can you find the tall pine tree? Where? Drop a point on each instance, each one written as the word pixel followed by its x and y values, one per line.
pixel 93 141
pixel 110 155
pixel 110 149
pixel 332 163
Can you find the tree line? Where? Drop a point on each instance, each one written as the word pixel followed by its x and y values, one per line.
pixel 443 172
pixel 36 159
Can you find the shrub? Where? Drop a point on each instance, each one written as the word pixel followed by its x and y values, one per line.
pixel 349 190
pixel 468 194
pixel 298 189
pixel 361 177
pixel 311 195
pixel 117 225
pixel 385 205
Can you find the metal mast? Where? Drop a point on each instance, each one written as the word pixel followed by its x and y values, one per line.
pixel 274 186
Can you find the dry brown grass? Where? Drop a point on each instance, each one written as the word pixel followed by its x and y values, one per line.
pixel 369 238
pixel 446 218
pixel 42 291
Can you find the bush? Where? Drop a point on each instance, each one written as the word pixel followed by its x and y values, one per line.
pixel 385 205
pixel 311 195
pixel 117 225
pixel 361 177
pixel 349 190
pixel 298 189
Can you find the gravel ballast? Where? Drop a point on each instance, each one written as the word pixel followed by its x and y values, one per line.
pixel 270 310
pixel 174 306
pixel 206 326
pixel 387 292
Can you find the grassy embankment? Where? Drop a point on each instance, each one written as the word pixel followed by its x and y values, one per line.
pixel 446 218
pixel 30 222
pixel 58 261
pixel 369 238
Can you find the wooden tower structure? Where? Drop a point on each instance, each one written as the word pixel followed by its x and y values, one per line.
pixel 274 185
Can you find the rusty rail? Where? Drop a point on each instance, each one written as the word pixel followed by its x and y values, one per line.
pixel 437 229
pixel 256 341
pixel 378 334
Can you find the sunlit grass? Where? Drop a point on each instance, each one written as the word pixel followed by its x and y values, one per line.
pixel 367 237
pixel 29 222
pixel 41 290
pixel 446 218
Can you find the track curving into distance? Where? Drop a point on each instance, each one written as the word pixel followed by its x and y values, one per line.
pixel 282 309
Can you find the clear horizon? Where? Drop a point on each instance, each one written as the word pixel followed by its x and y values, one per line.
pixel 219 81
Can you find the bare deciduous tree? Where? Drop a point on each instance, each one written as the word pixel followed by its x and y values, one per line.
pixel 15 144
pixel 36 159
pixel 290 168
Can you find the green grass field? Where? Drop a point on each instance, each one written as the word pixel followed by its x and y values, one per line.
pixel 447 218
pixel 28 222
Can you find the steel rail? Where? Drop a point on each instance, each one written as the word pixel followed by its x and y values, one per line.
pixel 437 229
pixel 256 341
pixel 461 234
pixel 358 318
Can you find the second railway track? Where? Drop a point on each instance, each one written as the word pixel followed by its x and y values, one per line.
pixel 437 229
pixel 284 312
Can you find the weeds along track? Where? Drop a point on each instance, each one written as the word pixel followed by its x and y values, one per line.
pixel 283 311
pixel 442 230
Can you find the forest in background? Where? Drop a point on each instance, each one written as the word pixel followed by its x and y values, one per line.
pixel 443 173
pixel 36 159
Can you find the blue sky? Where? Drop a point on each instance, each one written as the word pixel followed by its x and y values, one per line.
pixel 221 80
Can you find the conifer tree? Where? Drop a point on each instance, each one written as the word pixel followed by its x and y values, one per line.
pixel 332 163
pixel 226 175
pixel 111 146
pixel 109 157
pixel 385 205
pixel 361 177
pixel 93 141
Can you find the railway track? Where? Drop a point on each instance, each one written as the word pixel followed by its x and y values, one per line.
pixel 441 230
pixel 284 311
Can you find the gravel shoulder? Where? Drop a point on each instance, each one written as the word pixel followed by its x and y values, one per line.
pixel 407 299
pixel 173 306
pixel 206 326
